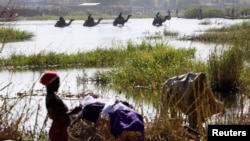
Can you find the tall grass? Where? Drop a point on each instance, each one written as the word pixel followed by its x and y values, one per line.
pixel 150 66
pixel 226 68
pixel 237 32
pixel 13 119
pixel 206 12
pixel 96 58
pixel 136 65
pixel 160 130
pixel 10 35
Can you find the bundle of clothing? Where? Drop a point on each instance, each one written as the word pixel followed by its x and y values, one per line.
pixel 122 116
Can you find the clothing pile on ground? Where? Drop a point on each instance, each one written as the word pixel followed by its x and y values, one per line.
pixel 121 115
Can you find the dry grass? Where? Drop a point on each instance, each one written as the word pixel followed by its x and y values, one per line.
pixel 88 131
pixel 163 128
pixel 13 119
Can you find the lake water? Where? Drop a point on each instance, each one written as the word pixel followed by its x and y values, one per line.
pixel 78 38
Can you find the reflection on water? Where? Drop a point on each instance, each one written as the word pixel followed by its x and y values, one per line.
pixel 26 81
pixel 78 38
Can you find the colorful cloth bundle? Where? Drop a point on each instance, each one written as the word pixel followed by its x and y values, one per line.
pixel 121 115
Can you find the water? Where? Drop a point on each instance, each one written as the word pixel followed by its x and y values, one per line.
pixel 26 83
pixel 78 38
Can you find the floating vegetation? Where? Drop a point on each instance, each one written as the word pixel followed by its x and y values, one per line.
pixel 170 33
pixel 12 35
pixel 156 35
pixel 237 32
pixel 205 22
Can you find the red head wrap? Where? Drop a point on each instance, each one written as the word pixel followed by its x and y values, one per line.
pixel 48 77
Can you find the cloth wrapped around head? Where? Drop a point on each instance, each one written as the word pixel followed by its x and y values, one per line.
pixel 48 77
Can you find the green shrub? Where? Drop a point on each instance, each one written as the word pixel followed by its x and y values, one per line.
pixel 10 35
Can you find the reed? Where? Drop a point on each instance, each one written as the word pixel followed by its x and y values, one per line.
pixel 230 34
pixel 193 12
pixel 149 66
pixel 11 35
pixel 13 120
pixel 162 129
pixel 225 70
pixel 170 33
pixel 144 65
pixel 97 58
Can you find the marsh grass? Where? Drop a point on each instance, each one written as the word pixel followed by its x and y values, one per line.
pixel 226 68
pixel 143 66
pixel 13 123
pixel 9 127
pixel 227 65
pixel 149 66
pixel 11 35
pixel 156 36
pixel 96 58
pixel 226 34
pixel 205 22
pixel 161 130
pixel 13 120
pixel 192 12
pixel 170 33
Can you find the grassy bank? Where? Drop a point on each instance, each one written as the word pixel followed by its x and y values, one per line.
pixel 143 64
pixel 237 32
pixel 149 66
pixel 97 58
pixel 12 35
pixel 227 65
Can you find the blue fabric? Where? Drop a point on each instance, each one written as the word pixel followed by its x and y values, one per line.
pixel 92 111
pixel 125 120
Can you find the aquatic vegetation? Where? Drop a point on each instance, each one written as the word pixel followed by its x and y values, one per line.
pixel 170 33
pixel 193 12
pixel 224 35
pixel 144 66
pixel 205 22
pixel 97 58
pixel 12 120
pixel 226 72
pixel 149 66
pixel 12 35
